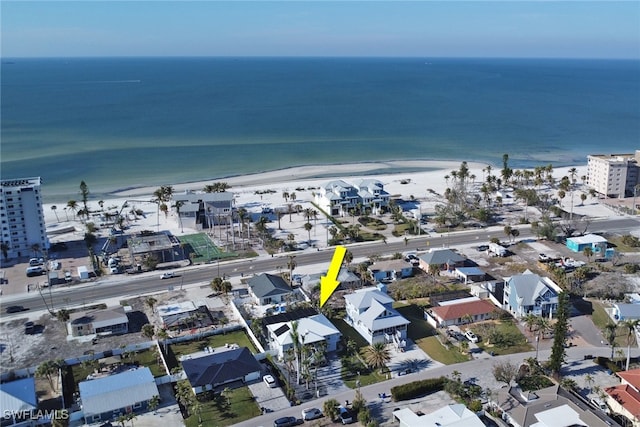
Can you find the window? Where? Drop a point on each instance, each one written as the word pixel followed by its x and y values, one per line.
pixel 96 417
pixel 137 405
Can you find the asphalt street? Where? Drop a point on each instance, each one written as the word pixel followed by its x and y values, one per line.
pixel 124 285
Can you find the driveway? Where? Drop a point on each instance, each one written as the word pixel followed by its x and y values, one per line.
pixel 273 399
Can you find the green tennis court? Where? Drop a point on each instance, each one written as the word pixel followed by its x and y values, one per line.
pixel 200 248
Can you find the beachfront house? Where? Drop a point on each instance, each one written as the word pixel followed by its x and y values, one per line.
pixel 370 312
pixel 339 198
pixel 199 210
pixel 528 293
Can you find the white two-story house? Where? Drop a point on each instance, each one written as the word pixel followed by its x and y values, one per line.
pixel 369 312
pixel 338 197
pixel 529 293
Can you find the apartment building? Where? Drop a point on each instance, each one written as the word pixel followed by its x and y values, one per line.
pixel 614 175
pixel 21 217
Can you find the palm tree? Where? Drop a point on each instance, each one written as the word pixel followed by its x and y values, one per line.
pixel 227 393
pixel 377 355
pixel 73 207
pixel 295 339
pixel 631 333
pixel 610 335
pixel 308 227
pixel 588 252
pixel 530 320
pixel 291 265
pixel 54 208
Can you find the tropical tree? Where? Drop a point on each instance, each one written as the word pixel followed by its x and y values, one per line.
pixel 63 315
pixel 148 330
pixel 588 252
pixel 291 265
pixel 611 332
pixel 561 328
pixel 295 339
pixel 72 205
pixel 227 393
pixel 308 227
pixel 84 194
pixel 54 208
pixel 377 355
pixel 48 369
pixel 331 408
pixel 631 326
pixel 184 394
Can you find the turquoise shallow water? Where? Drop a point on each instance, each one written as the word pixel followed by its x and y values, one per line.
pixel 128 122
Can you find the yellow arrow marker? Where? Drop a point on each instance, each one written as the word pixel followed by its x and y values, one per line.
pixel 329 283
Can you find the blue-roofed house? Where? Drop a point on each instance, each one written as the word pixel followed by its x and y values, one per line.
pixel 370 312
pixel 16 398
pixel 529 293
pixel 624 312
pixel 220 368
pixel 108 397
pixel 269 289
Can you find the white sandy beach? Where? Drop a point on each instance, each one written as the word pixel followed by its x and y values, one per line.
pixel 303 181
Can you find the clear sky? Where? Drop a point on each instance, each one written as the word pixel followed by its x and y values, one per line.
pixel 565 29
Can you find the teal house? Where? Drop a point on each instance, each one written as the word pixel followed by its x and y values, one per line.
pixel 597 243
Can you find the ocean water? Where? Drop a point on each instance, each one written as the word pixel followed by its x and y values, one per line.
pixel 126 122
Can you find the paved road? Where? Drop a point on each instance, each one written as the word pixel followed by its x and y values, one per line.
pixel 115 286
pixel 480 369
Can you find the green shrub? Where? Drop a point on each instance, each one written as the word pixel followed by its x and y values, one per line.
pixel 606 363
pixel 417 388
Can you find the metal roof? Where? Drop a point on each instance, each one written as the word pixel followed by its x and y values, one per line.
pixel 117 391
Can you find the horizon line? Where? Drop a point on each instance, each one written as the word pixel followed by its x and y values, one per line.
pixel 8 58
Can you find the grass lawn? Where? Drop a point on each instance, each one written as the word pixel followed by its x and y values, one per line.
pixel 236 337
pixel 423 334
pixel 600 318
pixel 147 358
pixel 438 352
pixel 215 412
pixel 349 333
pixel 516 342
pixel 350 368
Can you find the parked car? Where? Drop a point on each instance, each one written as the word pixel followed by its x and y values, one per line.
pixel 35 271
pixel 471 336
pixel 167 275
pixel 599 405
pixel 29 327
pixel 36 261
pixel 287 422
pixel 346 417
pixel 311 414
pixel 67 276
pixel 270 381
pixel 14 309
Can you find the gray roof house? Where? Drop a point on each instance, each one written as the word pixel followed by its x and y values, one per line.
pixel 106 398
pixel 347 279
pixel 202 210
pixel 107 321
pixel 269 289
pixel 217 369
pixel 446 258
pixel 529 293
pixel 369 312
pixel 15 397
pixel 392 269
pixel 548 407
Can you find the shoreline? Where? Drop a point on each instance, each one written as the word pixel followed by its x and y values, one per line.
pixel 289 175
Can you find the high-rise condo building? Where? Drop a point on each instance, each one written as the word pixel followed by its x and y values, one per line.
pixel 21 217
pixel 614 175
